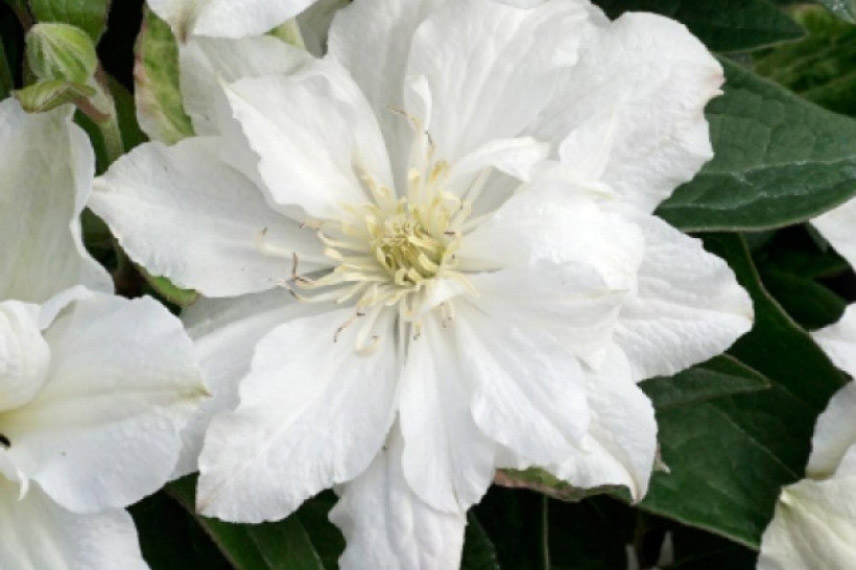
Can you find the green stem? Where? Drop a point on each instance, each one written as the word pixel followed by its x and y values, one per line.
pixel 108 124
pixel 113 145
pixel 7 84
pixel 19 7
pixel 545 533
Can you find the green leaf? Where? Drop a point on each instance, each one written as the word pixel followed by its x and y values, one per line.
pixel 729 456
pixel 695 550
pixel 779 160
pixel 721 376
pixel 47 95
pixel 512 519
pixel 171 539
pixel 843 8
pixel 723 25
pixel 284 545
pixel 479 551
pixel 89 15
pixel 808 302
pixel 157 90
pixel 822 67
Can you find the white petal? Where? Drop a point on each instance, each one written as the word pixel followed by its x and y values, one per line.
pixel 372 39
pixel 225 18
pixel 649 75
pixel 46 165
pixel 387 527
pixel 492 69
pixel 622 441
pixel 834 434
pixel 553 222
pixel 38 534
pixel 523 3
pixel 313 414
pixel 182 213
pixel 447 461
pixel 529 389
pixel 569 300
pixel 688 306
pixel 812 527
pixel 837 227
pixel 208 63
pixel 104 430
pixel 225 333
pixel 24 354
pixel 313 149
pixel 515 157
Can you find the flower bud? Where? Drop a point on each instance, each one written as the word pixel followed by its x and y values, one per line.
pixel 61 51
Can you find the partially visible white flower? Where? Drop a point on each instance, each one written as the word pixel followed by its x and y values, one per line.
pixel 460 200
pixel 225 18
pixel 815 518
pixel 94 389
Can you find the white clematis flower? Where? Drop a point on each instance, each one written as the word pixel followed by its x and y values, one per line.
pixel 815 516
pixel 94 389
pixel 430 255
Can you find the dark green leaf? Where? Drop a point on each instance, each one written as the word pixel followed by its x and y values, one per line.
pixel 89 15
pixel 779 160
pixel 590 535
pixel 723 25
pixel 695 550
pixel 171 539
pixel 512 520
pixel 807 301
pixel 728 457
pixel 157 91
pixel 822 67
pixel 722 376
pixel 479 551
pixel 284 545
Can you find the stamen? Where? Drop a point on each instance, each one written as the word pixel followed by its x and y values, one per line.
pixel 388 251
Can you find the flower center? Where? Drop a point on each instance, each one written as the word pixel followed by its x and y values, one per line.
pixel 389 251
pixel 407 250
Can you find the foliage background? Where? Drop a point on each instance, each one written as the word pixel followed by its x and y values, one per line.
pixel 732 431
